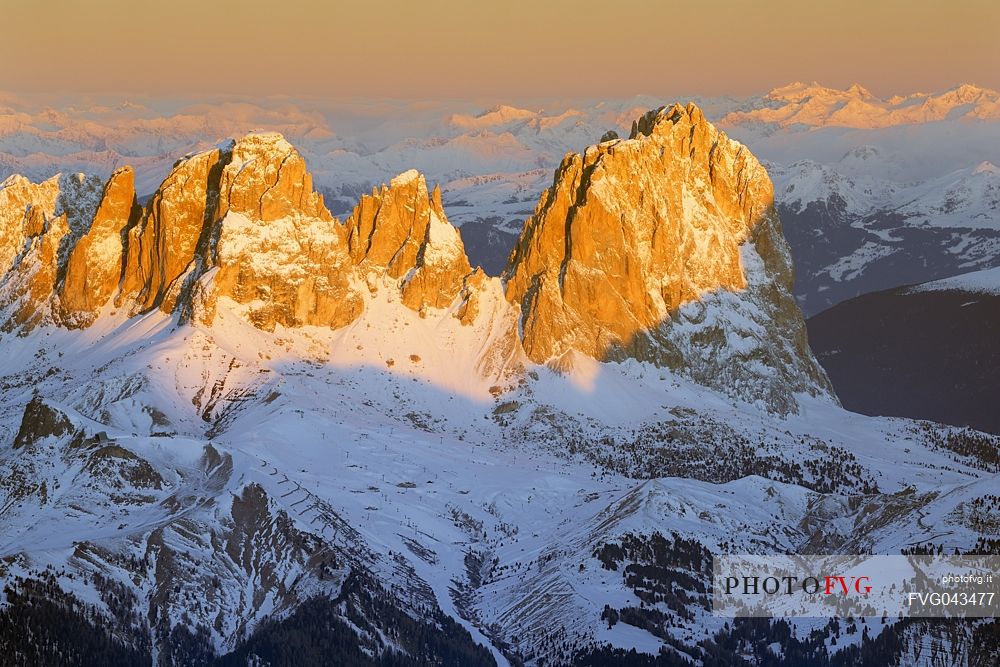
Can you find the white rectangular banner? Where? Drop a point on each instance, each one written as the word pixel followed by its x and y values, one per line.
pixel 856 585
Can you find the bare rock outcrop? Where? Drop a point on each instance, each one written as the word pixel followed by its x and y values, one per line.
pixel 40 224
pixel 275 250
pixel 403 230
pixel 666 247
pixel 663 247
pixel 24 209
pixel 266 180
pixel 290 271
pixel 162 248
pixel 94 266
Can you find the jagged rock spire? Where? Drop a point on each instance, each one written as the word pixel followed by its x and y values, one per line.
pixel 402 229
pixel 94 267
pixel 633 232
pixel 663 247
pixel 162 247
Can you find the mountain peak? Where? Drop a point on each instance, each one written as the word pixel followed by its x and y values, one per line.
pixel 264 137
pixel 646 248
pixel 969 89
pixel 402 229
pixel 818 106
pixel 14 180
pixel 41 223
pixel 663 247
pixel 163 247
pixel 507 111
pixel 257 144
pixel 501 114
pixel 858 90
pixel 986 167
pixel 797 91
pixel 266 179
pixel 94 267
pixel 405 178
pixel 665 118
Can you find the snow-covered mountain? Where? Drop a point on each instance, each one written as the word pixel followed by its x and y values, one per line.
pixel 238 430
pixel 876 193
pixel 852 235
pixel 814 105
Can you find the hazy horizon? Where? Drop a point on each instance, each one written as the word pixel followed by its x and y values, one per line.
pixel 517 50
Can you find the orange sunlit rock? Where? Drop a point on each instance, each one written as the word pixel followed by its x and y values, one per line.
pixel 95 264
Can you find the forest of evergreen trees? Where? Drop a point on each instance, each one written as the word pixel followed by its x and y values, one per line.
pixel 317 633
pixel 364 626
pixel 42 625
pixel 747 643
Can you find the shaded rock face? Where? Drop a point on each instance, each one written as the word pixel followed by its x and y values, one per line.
pixel 404 231
pixel 665 247
pixel 40 421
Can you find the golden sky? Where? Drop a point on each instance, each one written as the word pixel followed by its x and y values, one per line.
pixel 498 48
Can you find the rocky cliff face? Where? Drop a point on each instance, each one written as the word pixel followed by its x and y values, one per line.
pixel 162 248
pixel 266 180
pixel 280 255
pixel 665 247
pixel 24 209
pixel 240 222
pixel 271 246
pixel 94 267
pixel 402 230
pixel 39 225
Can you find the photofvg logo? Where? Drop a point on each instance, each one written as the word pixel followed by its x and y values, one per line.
pixel 788 586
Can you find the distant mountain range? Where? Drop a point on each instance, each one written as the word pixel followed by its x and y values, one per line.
pixel 864 206
pixel 813 105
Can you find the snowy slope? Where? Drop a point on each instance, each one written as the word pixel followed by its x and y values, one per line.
pixel 974 282
pixel 492 492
